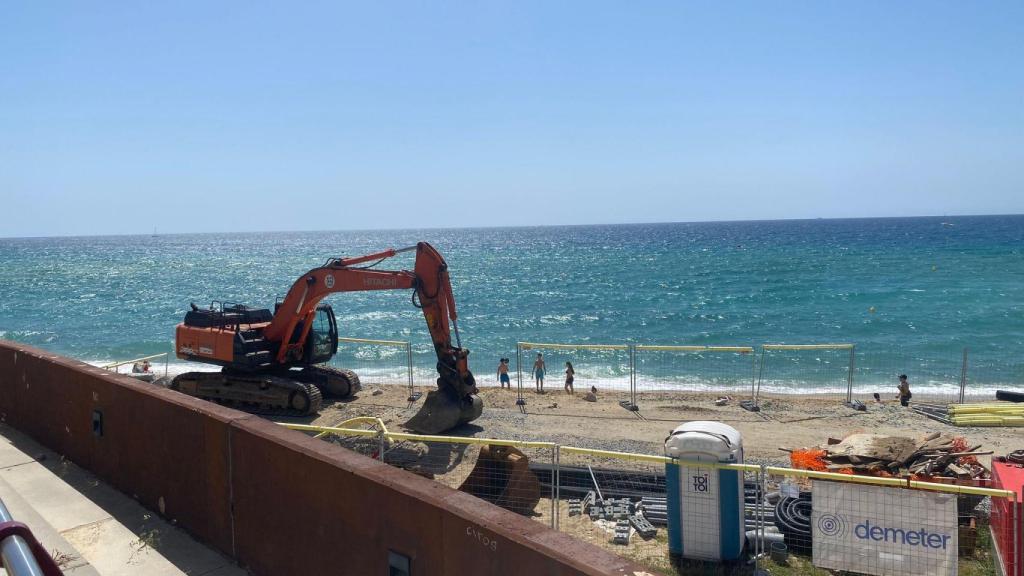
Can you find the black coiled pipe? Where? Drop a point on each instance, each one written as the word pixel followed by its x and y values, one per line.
pixel 793 519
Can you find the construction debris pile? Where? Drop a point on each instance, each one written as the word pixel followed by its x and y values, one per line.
pixel 935 457
pixel 622 515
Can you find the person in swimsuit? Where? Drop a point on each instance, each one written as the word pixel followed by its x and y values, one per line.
pixel 538 372
pixel 503 378
pixel 570 375
pixel 904 389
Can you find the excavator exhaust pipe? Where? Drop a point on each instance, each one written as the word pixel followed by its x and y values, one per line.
pixel 443 410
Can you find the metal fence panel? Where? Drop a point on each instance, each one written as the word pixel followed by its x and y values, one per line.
pixel 796 521
pixel 517 476
pixel 667 373
pixel 608 368
pixel 935 379
pixel 620 502
pixel 822 370
pixel 876 525
pixel 986 371
pixel 376 362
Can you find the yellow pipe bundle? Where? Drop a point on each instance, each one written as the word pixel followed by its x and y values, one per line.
pixel 990 414
pixel 986 408
pixel 990 421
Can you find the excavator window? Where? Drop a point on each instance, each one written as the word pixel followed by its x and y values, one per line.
pixel 323 336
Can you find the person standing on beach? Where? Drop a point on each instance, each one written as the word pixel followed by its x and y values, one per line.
pixel 503 378
pixel 538 372
pixel 904 389
pixel 570 375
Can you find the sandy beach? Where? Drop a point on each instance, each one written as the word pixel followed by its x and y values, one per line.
pixel 784 422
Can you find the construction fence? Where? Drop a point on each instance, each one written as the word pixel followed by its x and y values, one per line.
pixel 681 517
pixel 377 362
pixel 639 374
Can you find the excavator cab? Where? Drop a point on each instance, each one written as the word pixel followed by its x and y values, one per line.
pixel 322 343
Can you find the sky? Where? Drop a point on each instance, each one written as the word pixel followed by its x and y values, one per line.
pixel 247 116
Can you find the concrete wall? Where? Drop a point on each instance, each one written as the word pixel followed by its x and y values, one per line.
pixel 276 500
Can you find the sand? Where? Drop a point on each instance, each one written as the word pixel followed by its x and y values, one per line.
pixel 785 421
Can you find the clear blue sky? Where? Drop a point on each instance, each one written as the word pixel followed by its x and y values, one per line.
pixel 224 116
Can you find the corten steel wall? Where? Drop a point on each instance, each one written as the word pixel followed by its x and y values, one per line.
pixel 276 500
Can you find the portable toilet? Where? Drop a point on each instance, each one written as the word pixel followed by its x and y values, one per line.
pixel 705 504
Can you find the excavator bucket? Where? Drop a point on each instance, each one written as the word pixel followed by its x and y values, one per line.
pixel 444 410
pixel 502 476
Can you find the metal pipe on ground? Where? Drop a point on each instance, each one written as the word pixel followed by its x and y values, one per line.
pixel 766 538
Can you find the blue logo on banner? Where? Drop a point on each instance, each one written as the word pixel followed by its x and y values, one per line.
pixel 904 536
pixel 831 525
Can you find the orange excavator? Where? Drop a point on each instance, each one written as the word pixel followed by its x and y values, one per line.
pixel 273 362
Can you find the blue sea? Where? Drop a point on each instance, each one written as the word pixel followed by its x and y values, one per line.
pixel 910 293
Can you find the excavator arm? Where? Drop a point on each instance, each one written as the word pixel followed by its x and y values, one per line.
pixel 432 293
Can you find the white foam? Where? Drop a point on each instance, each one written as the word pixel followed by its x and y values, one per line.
pixel 424 377
pixel 172 370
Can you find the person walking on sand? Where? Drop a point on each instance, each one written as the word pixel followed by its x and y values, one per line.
pixel 570 375
pixel 904 388
pixel 538 372
pixel 503 378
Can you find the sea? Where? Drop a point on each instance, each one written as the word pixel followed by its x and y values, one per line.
pixel 938 298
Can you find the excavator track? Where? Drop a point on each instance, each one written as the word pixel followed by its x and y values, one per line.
pixel 332 382
pixel 255 393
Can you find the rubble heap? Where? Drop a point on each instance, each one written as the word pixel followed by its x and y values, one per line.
pixel 932 457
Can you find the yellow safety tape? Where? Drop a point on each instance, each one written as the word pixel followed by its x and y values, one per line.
pixel 650 458
pixel 954 489
pixel 894 482
pixel 617 455
pixel 815 475
pixel 368 341
pixel 655 459
pixel 462 440
pixel 741 349
pixel 533 345
pixel 329 429
pixel 807 346
pixel 363 420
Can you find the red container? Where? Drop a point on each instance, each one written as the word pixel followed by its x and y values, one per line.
pixel 1008 518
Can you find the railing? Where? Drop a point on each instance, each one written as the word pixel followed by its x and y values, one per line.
pixel 20 552
pixel 115 366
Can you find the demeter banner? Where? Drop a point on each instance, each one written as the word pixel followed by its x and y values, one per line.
pixel 883 530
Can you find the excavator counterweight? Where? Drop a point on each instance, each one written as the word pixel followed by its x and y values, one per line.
pixel 273 361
